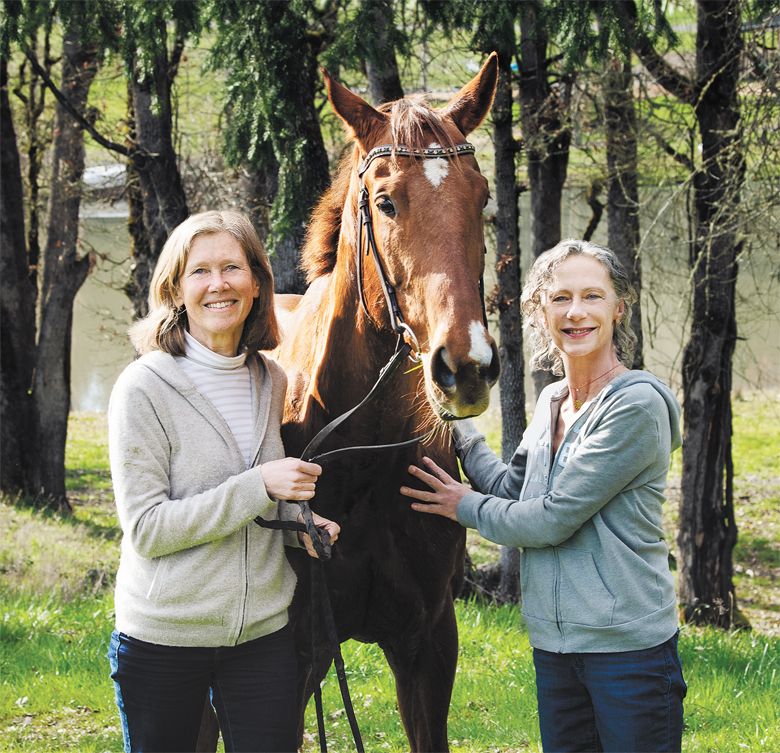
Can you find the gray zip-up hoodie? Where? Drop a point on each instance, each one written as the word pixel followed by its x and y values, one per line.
pixel 195 570
pixel 594 569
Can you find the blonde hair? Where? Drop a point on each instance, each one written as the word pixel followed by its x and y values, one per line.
pixel 163 327
pixel 544 355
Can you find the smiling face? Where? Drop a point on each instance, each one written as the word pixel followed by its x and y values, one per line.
pixel 217 289
pixel 580 309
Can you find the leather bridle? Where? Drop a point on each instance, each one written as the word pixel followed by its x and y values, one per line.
pixel 397 323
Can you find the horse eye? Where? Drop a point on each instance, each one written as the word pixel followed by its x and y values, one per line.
pixel 386 206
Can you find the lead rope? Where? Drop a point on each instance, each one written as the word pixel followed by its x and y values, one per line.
pixel 319 593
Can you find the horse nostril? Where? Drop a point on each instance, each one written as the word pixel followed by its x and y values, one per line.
pixel 441 372
pixel 491 372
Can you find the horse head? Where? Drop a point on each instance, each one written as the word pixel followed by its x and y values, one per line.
pixel 425 196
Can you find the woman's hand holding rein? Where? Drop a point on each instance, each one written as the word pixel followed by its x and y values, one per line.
pixel 295 479
pixel 290 478
pixel 330 526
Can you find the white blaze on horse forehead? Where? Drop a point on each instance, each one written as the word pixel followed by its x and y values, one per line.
pixel 436 170
pixel 481 351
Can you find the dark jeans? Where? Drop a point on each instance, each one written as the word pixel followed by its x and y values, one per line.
pixel 161 690
pixel 627 701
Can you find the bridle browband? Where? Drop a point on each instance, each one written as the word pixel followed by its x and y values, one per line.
pixel 397 323
pixel 388 150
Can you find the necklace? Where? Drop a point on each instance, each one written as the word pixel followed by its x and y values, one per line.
pixel 579 403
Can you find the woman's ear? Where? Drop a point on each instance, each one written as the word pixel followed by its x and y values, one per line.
pixel 621 309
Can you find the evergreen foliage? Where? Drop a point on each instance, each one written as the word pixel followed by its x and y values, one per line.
pixel 262 114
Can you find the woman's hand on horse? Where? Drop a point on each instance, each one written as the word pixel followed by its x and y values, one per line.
pixel 446 494
pixel 290 478
pixel 330 526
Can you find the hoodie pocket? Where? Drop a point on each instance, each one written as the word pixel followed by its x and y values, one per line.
pixel 584 597
pixel 155 587
pixel 537 569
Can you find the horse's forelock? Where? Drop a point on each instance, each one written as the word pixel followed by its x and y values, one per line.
pixel 414 124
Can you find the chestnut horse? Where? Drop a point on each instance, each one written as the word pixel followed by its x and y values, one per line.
pixel 394 573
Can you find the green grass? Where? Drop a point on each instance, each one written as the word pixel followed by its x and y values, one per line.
pixel 56 578
pixel 733 681
pixel 55 693
pixel 757 437
pixel 493 705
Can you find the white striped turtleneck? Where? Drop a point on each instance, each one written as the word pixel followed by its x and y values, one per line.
pixel 226 383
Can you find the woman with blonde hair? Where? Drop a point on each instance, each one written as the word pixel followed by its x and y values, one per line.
pixel 196 455
pixel 583 497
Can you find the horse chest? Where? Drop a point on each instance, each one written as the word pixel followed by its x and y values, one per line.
pixel 391 565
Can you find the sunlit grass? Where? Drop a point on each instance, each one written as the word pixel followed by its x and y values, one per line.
pixel 55 693
pixel 756 437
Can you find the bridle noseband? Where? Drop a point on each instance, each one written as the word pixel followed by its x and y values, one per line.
pixel 397 323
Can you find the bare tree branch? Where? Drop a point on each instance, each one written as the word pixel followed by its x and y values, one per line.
pixel 678 157
pixel 596 206
pixel 672 80
pixel 72 111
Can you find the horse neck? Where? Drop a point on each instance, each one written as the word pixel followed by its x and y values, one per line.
pixel 352 355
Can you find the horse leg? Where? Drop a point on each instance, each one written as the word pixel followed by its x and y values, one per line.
pixel 209 729
pixel 314 654
pixel 310 675
pixel 424 677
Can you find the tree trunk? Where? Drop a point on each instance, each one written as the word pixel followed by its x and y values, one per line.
pixel 62 274
pixel 708 532
pixel 707 527
pixel 165 205
pixel 511 385
pixel 38 138
pixel 546 136
pixel 259 187
pixel 136 287
pixel 17 311
pixel 384 82
pixel 294 128
pixel 508 276
pixel 154 162
pixel 623 192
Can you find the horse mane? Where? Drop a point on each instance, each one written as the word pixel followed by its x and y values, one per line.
pixel 413 123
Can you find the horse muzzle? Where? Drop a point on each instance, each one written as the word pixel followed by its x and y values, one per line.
pixel 460 388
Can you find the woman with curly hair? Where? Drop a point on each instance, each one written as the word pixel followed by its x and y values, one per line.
pixel 583 497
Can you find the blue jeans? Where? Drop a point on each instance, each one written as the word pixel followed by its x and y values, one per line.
pixel 161 691
pixel 627 701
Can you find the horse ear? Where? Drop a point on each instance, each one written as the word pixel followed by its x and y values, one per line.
pixel 472 103
pixel 363 121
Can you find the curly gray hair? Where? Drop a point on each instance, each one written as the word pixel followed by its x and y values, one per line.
pixel 544 355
